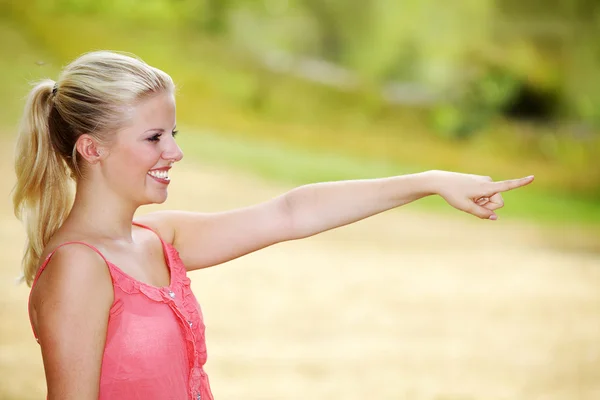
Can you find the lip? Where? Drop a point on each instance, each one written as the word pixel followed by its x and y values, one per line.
pixel 163 181
pixel 161 169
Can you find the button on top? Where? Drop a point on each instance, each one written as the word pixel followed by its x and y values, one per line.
pixel 198 397
pixel 190 323
pixel 171 294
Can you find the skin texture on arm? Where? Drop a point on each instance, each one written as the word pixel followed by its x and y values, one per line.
pixel 70 305
pixel 207 239
pixel 204 240
pixel 323 206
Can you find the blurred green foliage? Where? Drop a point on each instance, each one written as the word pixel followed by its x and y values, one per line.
pixel 242 67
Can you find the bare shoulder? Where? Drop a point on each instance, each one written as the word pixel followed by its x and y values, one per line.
pixel 207 239
pixel 74 270
pixel 162 222
pixel 69 310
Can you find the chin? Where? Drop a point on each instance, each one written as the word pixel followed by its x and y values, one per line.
pixel 158 200
pixel 155 199
pixel 161 201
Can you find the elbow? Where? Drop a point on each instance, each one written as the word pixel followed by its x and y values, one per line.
pixel 296 223
pixel 288 220
pixel 290 216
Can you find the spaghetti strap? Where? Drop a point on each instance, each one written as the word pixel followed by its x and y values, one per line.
pixel 165 248
pixel 45 263
pixel 147 227
pixel 140 316
pixel 111 266
pixel 142 225
pixel 47 260
pixel 165 245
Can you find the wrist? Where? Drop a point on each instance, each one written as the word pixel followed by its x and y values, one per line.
pixel 431 182
pixel 414 186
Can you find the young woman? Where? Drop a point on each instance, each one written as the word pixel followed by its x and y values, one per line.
pixel 110 304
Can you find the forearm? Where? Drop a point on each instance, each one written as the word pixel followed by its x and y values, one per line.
pixel 319 207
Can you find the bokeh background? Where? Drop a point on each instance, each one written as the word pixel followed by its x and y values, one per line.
pixel 418 303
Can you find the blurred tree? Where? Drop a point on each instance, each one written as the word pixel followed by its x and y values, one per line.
pixel 564 34
pixel 328 27
pixel 338 24
pixel 549 46
pixel 214 16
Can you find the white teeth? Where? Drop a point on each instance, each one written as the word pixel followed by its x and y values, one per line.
pixel 159 174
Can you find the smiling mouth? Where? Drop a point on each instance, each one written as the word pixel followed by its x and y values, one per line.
pixel 161 176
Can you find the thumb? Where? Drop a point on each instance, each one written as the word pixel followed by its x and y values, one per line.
pixel 482 212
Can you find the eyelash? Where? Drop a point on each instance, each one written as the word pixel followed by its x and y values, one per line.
pixel 156 137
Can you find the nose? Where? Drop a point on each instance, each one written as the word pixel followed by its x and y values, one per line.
pixel 173 152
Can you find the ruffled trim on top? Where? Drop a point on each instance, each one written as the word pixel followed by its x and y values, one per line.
pixel 130 285
pixel 186 309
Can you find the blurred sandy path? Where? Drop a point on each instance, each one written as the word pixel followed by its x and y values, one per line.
pixel 404 305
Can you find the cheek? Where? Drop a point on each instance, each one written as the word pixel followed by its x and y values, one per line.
pixel 135 162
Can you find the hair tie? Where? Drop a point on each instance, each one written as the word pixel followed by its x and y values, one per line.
pixel 54 89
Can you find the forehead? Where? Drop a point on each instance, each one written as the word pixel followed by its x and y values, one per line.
pixel 154 112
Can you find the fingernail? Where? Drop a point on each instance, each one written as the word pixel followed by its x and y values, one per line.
pixel 493 217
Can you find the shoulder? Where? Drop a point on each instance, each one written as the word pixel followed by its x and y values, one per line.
pixel 74 271
pixel 163 222
pixel 69 312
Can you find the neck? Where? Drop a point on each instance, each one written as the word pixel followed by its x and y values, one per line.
pixel 101 213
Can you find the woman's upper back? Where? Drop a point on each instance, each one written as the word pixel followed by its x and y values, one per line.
pixel 147 340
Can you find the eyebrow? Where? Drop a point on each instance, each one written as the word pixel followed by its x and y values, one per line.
pixel 161 130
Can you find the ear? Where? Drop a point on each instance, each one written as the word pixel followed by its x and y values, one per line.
pixel 90 149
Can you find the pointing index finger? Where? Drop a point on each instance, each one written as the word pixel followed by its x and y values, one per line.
pixel 510 184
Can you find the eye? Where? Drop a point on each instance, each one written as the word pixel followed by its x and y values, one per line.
pixel 155 138
pixel 174 133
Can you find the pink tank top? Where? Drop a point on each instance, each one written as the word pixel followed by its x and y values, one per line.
pixel 155 345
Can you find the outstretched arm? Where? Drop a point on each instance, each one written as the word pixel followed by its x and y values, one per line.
pixel 320 207
pixel 205 239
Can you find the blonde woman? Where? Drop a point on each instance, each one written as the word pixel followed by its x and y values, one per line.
pixel 110 303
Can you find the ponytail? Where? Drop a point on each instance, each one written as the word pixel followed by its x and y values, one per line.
pixel 43 194
pixel 92 96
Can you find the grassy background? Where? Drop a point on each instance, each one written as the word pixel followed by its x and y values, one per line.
pixel 459 308
pixel 286 129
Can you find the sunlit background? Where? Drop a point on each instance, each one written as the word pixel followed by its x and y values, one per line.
pixel 419 303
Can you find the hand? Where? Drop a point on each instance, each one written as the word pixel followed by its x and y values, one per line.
pixel 475 194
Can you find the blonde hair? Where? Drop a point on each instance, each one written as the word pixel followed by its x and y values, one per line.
pixel 93 95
